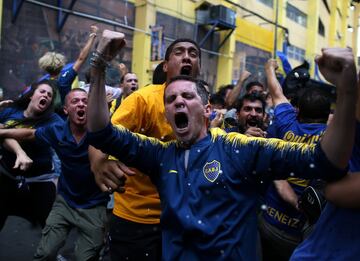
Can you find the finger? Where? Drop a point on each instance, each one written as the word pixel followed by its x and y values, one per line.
pixel 120 190
pixel 126 169
pixel 16 165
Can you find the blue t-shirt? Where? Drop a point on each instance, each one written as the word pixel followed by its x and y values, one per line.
pixel 65 81
pixel 76 182
pixel 336 234
pixel 209 204
pixel 40 153
pixel 280 213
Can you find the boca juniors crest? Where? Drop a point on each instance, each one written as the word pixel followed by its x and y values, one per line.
pixel 212 170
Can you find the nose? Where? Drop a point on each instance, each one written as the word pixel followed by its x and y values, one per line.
pixel 253 113
pixel 179 102
pixel 186 56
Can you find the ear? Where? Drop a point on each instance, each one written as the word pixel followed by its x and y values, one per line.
pixel 207 110
pixel 165 66
pixel 65 110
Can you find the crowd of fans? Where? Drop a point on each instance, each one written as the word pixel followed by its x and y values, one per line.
pixel 246 173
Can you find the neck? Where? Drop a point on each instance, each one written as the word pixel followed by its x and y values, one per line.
pixel 78 131
pixel 28 113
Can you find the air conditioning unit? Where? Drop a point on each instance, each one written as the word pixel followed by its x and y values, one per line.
pixel 222 14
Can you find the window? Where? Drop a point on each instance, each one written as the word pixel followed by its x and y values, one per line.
pixel 296 53
pixel 269 3
pixel 321 29
pixel 295 14
pixel 326 5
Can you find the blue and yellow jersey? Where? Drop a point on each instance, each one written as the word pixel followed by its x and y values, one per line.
pixel 40 153
pixel 280 213
pixel 209 204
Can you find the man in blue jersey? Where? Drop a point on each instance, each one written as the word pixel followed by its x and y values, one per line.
pixel 281 223
pixel 80 203
pixel 208 180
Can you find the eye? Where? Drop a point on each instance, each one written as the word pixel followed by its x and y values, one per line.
pixel 188 95
pixel 259 110
pixel 193 53
pixel 170 99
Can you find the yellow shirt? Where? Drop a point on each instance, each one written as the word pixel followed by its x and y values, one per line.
pixel 142 112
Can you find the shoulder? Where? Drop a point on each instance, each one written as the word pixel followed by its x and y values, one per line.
pixel 151 91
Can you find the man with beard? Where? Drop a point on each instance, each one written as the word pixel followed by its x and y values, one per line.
pixel 250 115
pixel 209 205
pixel 79 202
pixel 134 226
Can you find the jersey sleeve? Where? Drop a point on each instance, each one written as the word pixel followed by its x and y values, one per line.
pixel 64 82
pixel 284 116
pixel 269 159
pixel 135 150
pixel 44 135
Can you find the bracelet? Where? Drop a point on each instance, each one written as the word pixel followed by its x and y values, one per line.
pixel 97 60
pixel 92 34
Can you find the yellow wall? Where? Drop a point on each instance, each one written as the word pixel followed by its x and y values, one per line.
pixel 254 35
pixel 250 30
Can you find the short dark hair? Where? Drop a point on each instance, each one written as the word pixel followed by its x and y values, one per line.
pixel 314 105
pixel 159 76
pixel 251 97
pixel 253 83
pixel 200 88
pixel 223 89
pixel 217 99
pixel 123 77
pixel 181 40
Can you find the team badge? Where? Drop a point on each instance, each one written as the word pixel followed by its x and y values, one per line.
pixel 212 170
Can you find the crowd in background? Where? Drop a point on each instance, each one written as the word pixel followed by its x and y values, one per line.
pixel 51 174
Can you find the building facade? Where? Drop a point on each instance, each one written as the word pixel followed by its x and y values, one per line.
pixel 234 35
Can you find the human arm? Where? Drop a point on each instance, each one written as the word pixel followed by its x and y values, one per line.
pixel 338 67
pixel 108 173
pixel 18 134
pixel 286 192
pixel 345 193
pixel 22 162
pixel 109 45
pixel 86 49
pixel 235 92
pixel 5 103
pixel 274 86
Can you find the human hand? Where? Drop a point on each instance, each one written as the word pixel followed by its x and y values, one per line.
pixel 271 65
pixel 94 29
pixel 123 69
pixel 22 162
pixel 219 119
pixel 244 75
pixel 110 175
pixel 110 44
pixel 337 65
pixel 255 132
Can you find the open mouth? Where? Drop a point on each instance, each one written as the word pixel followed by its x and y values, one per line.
pixel 253 122
pixel 181 120
pixel 185 70
pixel 133 89
pixel 43 102
pixel 80 114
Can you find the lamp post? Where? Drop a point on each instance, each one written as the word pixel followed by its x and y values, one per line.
pixel 276 26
